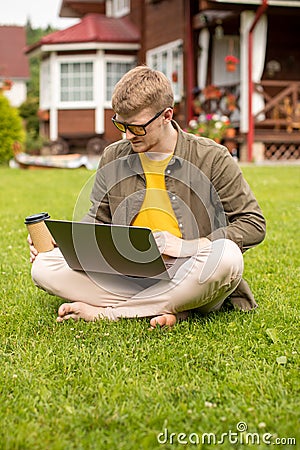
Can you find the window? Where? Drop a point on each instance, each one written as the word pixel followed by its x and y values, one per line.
pixel 114 72
pixel 76 82
pixel 120 8
pixel 168 59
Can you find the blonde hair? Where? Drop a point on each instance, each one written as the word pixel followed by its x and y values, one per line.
pixel 142 88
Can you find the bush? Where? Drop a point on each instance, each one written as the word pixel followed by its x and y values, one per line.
pixel 28 111
pixel 34 143
pixel 11 130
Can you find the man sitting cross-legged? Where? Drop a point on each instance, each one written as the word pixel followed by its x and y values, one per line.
pixel 188 190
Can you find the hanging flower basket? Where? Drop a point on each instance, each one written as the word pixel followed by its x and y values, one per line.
pixel 230 67
pixel 231 63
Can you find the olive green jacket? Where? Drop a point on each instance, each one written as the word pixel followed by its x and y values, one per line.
pixel 207 190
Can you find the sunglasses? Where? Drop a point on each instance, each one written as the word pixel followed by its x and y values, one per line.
pixel 137 130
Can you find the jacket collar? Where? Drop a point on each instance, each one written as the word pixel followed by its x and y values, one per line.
pixel 134 162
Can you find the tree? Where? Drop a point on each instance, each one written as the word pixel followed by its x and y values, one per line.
pixel 29 109
pixel 33 35
pixel 11 129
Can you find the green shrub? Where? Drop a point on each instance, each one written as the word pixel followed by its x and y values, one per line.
pixel 28 111
pixel 11 130
pixel 34 143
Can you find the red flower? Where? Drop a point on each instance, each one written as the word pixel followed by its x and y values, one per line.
pixel 231 59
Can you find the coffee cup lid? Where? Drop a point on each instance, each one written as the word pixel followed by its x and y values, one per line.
pixel 35 218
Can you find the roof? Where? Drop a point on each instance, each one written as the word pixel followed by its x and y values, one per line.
pixel 13 61
pixel 94 28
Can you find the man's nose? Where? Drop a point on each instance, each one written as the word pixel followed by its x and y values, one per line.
pixel 129 135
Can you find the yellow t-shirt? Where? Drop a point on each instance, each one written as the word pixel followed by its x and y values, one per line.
pixel 156 211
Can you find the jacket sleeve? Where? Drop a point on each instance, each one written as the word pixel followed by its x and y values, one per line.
pixel 245 222
pixel 99 210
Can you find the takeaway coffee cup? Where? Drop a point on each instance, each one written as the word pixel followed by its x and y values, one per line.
pixel 39 233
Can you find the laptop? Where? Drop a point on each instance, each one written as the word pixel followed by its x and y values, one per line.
pixel 112 249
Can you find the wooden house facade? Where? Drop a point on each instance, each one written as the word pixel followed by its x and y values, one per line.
pixel 192 42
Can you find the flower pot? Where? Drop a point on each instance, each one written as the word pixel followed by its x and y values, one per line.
pixel 230 67
pixel 230 132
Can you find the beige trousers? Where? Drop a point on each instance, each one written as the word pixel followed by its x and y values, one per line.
pixel 203 282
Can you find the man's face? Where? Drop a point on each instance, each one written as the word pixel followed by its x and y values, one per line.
pixel 154 130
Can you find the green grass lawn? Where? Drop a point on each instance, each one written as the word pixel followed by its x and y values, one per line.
pixel 117 385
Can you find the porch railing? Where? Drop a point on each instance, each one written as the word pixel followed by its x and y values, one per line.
pixel 282 105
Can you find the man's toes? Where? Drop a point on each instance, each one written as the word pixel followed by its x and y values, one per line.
pixel 78 310
pixel 160 320
pixel 165 320
pixel 67 311
pixel 170 320
pixel 64 309
pixel 67 317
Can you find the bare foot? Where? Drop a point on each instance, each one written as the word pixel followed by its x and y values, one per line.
pixel 79 310
pixel 168 320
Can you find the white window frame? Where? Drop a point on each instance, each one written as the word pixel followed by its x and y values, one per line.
pixel 115 59
pixel 78 104
pixel 162 58
pixel 117 8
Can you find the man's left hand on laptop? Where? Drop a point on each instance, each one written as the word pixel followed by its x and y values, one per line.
pixel 171 245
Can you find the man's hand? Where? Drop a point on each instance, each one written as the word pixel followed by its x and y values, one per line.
pixel 33 250
pixel 171 245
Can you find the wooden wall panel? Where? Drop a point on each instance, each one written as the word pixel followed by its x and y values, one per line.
pixel 75 122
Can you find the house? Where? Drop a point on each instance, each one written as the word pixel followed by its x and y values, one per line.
pixel 79 68
pixel 14 66
pixel 192 42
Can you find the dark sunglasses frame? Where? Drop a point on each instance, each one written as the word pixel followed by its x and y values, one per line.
pixel 131 126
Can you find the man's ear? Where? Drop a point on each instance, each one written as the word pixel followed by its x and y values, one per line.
pixel 168 114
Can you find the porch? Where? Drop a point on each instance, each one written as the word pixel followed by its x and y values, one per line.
pixel 277 124
pixel 276 121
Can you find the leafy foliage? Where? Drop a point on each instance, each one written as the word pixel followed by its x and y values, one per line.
pixel 29 109
pixel 33 35
pixel 11 129
pixel 212 126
